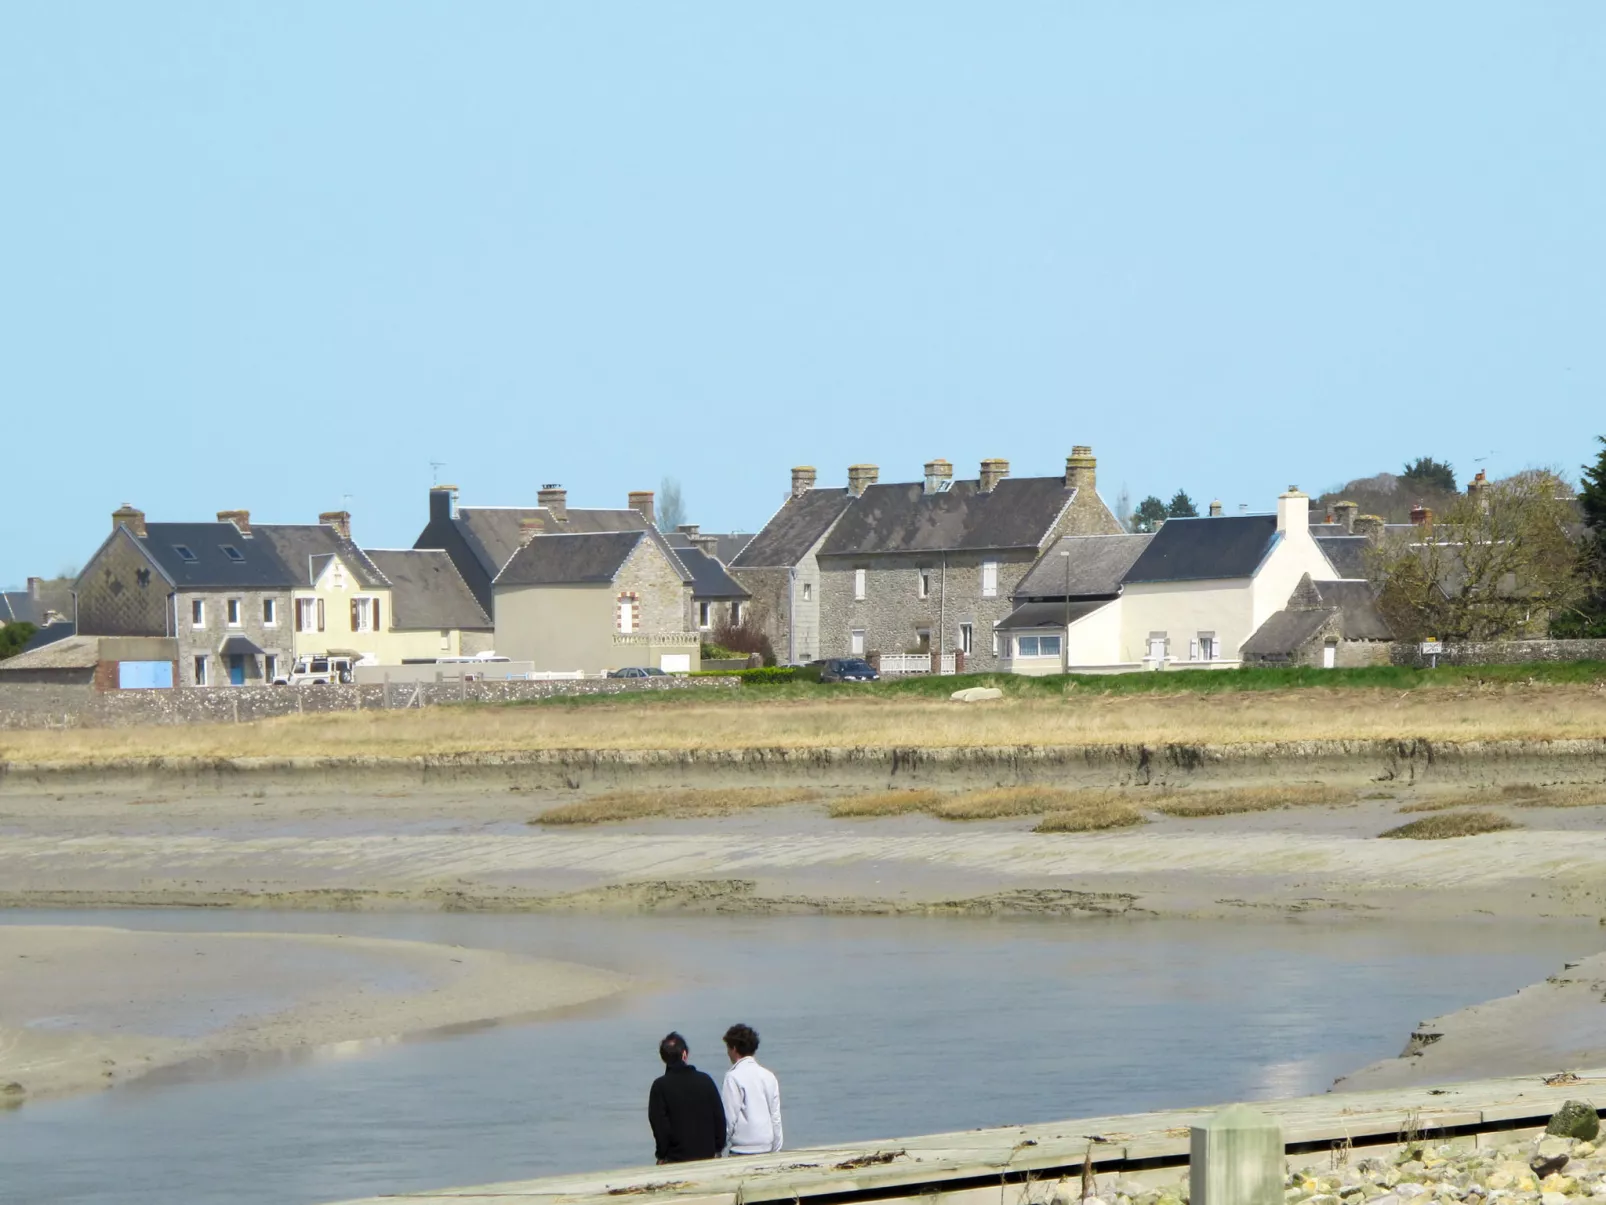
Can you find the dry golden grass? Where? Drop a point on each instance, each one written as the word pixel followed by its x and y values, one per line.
pixel 1090 816
pixel 1443 825
pixel 1002 802
pixel 679 805
pixel 1252 799
pixel 1516 794
pixel 744 721
pixel 886 803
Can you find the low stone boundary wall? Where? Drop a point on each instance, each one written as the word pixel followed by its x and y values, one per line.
pixel 1503 652
pixel 36 705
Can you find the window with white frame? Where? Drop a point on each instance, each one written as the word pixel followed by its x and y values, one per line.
pixel 200 671
pixel 270 613
pixel 996 622
pixel 197 612
pixel 270 666
pixel 856 642
pixel 859 583
pixel 923 583
pixel 808 591
pixel 1157 645
pixel 1037 646
pixel 704 615
pixel 232 611
pixel 967 637
pixel 627 613
pixel 989 579
pixel 1204 647
pixel 309 614
pixel 364 614
pixel 446 640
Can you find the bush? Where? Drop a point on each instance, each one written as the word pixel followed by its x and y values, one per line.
pixel 744 640
pixel 718 652
pixel 13 636
pixel 1444 825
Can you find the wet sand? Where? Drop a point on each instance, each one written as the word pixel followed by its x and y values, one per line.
pixel 89 1007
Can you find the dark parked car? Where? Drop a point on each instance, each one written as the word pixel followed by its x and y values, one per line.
pixel 847 669
pixel 637 671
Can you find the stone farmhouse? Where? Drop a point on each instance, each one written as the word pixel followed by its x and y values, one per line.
pixel 717 599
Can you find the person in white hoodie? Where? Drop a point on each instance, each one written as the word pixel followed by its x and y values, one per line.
pixel 751 1096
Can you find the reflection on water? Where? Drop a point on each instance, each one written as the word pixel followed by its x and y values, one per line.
pixel 876 1026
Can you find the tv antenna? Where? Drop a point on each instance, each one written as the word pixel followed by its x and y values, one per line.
pixel 435 467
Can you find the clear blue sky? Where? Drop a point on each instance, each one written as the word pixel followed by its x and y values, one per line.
pixel 272 255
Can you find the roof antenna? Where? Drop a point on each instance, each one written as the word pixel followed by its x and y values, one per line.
pixel 435 467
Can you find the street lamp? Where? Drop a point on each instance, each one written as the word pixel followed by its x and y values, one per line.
pixel 1065 636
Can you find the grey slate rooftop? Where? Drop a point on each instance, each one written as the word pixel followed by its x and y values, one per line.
pixel 708 576
pixel 1206 549
pixel 426 590
pixel 1098 564
pixel 796 527
pixel 1285 631
pixel 1016 513
pixel 1050 614
pixel 1346 554
pixel 202 556
pixel 493 532
pixel 570 559
pixel 306 548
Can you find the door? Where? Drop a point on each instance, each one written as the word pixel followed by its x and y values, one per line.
pixel 236 669
pixel 1156 648
pixel 1329 656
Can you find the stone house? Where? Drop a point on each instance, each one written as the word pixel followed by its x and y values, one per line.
pixel 933 565
pixel 1328 624
pixel 480 540
pixel 216 589
pixel 1065 615
pixel 594 602
pixel 717 598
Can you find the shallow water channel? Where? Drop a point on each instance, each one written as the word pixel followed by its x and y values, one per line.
pixel 877 1027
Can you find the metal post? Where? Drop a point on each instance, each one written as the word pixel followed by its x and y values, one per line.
pixel 1065 637
pixel 1236 1158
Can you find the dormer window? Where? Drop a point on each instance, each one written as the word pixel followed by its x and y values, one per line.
pixel 185 553
pixel 233 553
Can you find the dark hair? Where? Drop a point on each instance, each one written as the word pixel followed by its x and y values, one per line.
pixel 671 1049
pixel 743 1039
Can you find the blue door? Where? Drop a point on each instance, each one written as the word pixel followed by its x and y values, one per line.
pixel 236 669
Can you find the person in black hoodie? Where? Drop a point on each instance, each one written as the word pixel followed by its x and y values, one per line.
pixel 688 1119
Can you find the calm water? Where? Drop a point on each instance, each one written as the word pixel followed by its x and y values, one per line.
pixel 876 1027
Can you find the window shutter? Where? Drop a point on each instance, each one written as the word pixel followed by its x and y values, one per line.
pixel 354 605
pixel 320 614
pixel 376 615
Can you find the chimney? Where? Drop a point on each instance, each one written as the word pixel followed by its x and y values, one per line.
pixel 1478 490
pixel 803 477
pixel 554 499
pixel 939 475
pixel 442 503
pixel 240 518
pixel 33 587
pixel 993 471
pixel 340 520
pixel 130 517
pixel 529 528
pixel 1293 510
pixel 1421 516
pixel 860 476
pixel 1215 509
pixel 708 544
pixel 1370 526
pixel 688 529
pixel 641 503
pixel 1081 470
pixel 1345 512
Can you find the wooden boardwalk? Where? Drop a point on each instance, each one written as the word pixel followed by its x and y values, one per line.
pixel 1019 1165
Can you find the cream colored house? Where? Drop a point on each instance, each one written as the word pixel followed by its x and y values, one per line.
pixel 387 607
pixel 596 602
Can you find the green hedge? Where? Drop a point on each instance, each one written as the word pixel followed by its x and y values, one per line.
pixel 768 675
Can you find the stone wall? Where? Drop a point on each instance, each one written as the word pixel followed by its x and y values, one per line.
pixel 1504 652
pixel 36 705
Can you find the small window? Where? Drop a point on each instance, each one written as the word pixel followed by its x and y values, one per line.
pixel 946 484
pixel 185 554
pixel 856 642
pixel 446 640
pixel 270 666
pixel 365 615
pixel 197 612
pixel 627 614
pixel 989 579
pixel 200 671
pixel 923 583
pixel 1037 646
pixel 704 615
pixel 736 613
pixel 270 613
pixel 996 622
pixel 967 637
pixel 233 553
pixel 808 591
pixel 233 609
pixel 859 583
pixel 1206 645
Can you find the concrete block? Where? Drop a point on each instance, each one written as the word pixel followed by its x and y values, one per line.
pixel 1236 1158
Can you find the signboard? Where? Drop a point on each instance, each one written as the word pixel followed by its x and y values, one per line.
pixel 1432 648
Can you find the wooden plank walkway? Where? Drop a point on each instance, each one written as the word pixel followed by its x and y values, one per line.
pixel 976 1163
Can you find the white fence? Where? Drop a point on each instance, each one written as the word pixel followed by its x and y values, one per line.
pixel 915 663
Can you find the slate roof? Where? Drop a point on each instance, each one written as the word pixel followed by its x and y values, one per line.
pixel 708 576
pixel 582 558
pixel 259 565
pixel 728 545
pixel 305 547
pixel 1206 549
pixel 49 634
pixel 1356 603
pixel 1097 566
pixel 427 591
pixel 1285 631
pixel 1346 554
pixel 493 532
pixel 1018 512
pixel 794 529
pixel 1050 614
pixel 18 606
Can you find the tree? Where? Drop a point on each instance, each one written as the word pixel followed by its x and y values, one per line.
pixel 13 636
pixel 1123 508
pixel 671 506
pixel 1149 515
pixel 1489 568
pixel 1592 500
pixel 1181 507
pixel 1426 473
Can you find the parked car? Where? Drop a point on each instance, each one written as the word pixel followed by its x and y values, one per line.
pixel 317 671
pixel 637 671
pixel 847 669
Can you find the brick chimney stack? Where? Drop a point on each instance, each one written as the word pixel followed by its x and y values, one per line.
pixel 1478 490
pixel 1422 516
pixel 240 518
pixel 33 587
pixel 1370 526
pixel 803 478
pixel 528 529
pixel 1345 512
pixel 130 517
pixel 340 520
pixel 1215 509
pixel 939 475
pixel 993 470
pixel 554 499
pixel 641 502
pixel 1081 470
pixel 861 476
